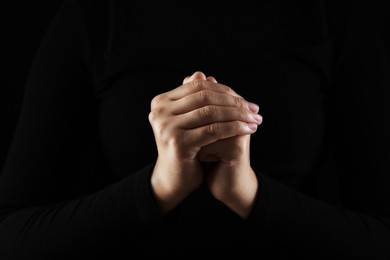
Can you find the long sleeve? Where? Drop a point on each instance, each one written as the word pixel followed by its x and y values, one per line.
pixel 289 222
pixel 45 214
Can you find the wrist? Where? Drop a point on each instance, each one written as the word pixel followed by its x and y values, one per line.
pixel 238 190
pixel 170 185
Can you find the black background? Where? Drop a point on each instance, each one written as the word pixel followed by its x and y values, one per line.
pixel 22 28
pixel 23 24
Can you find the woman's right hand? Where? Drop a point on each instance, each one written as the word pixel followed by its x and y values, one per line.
pixel 184 120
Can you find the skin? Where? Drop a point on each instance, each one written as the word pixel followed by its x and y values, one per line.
pixel 202 131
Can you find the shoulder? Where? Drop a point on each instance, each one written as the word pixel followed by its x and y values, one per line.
pixel 93 17
pixel 92 12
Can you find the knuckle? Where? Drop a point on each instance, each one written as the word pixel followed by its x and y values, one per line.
pixel 159 123
pixel 202 97
pixel 213 129
pixel 230 91
pixel 197 84
pixel 243 113
pixel 207 112
pixel 156 101
pixel 156 113
pixel 152 116
pixel 237 102
pixel 237 126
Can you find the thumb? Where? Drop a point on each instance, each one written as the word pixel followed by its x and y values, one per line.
pixel 198 75
pixel 211 79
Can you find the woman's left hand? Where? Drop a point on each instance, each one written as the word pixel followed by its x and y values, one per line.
pixel 228 170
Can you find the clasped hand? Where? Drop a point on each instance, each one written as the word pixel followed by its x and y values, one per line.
pixel 202 131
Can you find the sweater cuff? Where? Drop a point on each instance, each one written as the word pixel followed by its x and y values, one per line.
pixel 146 204
pixel 261 200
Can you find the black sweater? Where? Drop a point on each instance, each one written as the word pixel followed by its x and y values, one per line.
pixel 77 177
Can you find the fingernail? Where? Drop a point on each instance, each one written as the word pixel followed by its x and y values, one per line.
pixel 258 118
pixel 252 127
pixel 253 107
